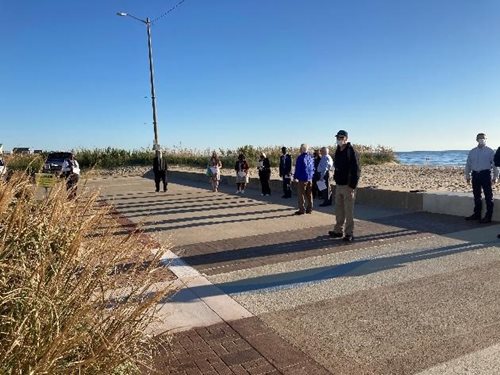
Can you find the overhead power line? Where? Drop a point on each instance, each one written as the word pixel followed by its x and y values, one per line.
pixel 168 11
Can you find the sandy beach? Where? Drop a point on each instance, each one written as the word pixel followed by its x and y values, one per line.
pixel 390 176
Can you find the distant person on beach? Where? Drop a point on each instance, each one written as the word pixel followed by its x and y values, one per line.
pixel 346 176
pixel 214 166
pixel 71 172
pixel 241 168
pixel 286 172
pixel 325 169
pixel 316 176
pixel 264 168
pixel 160 170
pixel 480 166
pixel 304 171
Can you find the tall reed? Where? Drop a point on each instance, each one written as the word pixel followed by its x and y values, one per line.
pixel 64 307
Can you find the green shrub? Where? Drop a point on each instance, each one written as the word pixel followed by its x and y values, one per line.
pixel 31 163
pixel 109 158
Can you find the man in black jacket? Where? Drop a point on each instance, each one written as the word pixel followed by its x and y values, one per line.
pixel 160 171
pixel 286 172
pixel 346 176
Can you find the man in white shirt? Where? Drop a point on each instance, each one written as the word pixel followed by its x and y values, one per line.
pixel 481 168
pixel 325 174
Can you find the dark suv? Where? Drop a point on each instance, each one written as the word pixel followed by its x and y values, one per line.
pixel 55 161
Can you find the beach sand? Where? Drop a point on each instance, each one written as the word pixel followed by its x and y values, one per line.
pixel 391 176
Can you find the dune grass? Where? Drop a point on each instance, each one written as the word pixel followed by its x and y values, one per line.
pixel 109 158
pixel 64 308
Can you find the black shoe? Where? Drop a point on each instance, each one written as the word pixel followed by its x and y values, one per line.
pixel 348 238
pixel 333 234
pixel 473 217
pixel 485 220
pixel 309 212
pixel 299 213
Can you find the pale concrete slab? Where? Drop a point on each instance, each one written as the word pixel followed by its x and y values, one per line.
pixel 482 362
pixel 482 234
pixel 183 312
pixel 198 303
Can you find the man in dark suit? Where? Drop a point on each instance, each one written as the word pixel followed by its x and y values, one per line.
pixel 286 172
pixel 160 171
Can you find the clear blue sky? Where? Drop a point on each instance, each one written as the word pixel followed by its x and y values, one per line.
pixel 411 75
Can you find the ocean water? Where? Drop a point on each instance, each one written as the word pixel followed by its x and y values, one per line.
pixel 433 158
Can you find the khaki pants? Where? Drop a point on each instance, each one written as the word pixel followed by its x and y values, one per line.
pixel 344 209
pixel 304 192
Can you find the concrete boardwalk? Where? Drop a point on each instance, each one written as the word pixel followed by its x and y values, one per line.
pixel 263 291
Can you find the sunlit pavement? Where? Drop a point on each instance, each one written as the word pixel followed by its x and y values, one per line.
pixel 264 291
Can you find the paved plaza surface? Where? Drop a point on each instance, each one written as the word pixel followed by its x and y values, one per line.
pixel 265 292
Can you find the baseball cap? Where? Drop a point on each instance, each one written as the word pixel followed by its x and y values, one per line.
pixel 341 133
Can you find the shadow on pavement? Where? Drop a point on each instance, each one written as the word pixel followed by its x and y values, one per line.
pixel 315 275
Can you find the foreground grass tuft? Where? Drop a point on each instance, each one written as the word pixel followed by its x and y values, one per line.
pixel 64 308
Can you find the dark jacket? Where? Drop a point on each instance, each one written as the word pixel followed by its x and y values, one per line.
pixel 241 165
pixel 265 171
pixel 285 165
pixel 160 165
pixel 346 167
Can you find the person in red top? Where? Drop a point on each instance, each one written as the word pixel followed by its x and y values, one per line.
pixel 241 168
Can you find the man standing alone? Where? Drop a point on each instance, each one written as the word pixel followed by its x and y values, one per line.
pixel 346 176
pixel 160 171
pixel 481 168
pixel 285 172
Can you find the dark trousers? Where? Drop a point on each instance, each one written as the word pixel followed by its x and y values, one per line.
pixel 315 190
pixel 264 182
pixel 72 185
pixel 161 176
pixel 327 193
pixel 287 188
pixel 482 180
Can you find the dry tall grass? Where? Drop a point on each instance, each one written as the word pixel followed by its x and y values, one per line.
pixel 59 263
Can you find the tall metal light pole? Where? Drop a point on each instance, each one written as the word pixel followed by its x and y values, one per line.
pixel 147 21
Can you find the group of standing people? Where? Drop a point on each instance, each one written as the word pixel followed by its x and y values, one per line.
pixel 317 174
pixel 242 169
pixel 311 173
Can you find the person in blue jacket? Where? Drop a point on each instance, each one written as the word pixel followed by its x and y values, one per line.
pixel 304 171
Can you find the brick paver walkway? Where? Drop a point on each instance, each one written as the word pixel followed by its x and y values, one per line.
pixel 240 347
pixel 412 294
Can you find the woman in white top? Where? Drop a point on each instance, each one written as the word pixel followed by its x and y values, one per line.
pixel 215 165
pixel 241 168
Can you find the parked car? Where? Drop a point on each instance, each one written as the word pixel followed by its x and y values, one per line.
pixel 55 161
